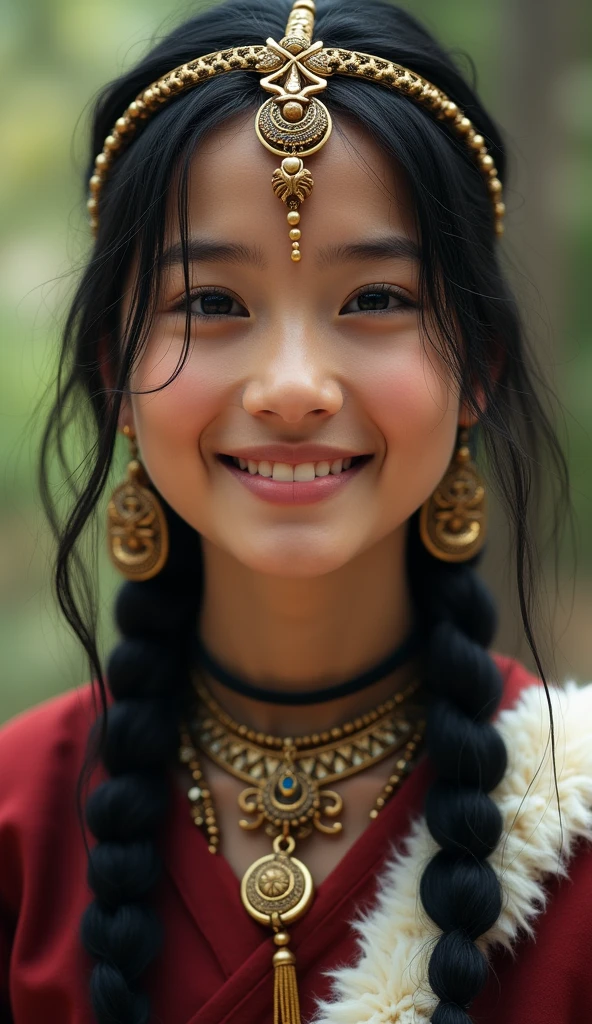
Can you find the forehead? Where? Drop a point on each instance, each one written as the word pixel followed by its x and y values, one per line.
pixel 358 190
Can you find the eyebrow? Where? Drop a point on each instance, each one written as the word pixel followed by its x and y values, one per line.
pixel 389 247
pixel 202 250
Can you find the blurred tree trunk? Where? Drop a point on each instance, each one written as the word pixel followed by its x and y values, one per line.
pixel 535 47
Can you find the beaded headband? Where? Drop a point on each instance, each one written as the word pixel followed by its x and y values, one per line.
pixel 292 123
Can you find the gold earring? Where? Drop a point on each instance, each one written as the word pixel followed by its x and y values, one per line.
pixel 453 521
pixel 137 531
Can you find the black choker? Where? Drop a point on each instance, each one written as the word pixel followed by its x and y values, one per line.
pixel 393 661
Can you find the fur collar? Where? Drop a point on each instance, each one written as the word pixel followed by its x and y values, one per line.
pixel 389 983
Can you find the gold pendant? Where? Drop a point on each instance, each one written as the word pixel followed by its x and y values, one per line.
pixel 289 799
pixel 277 889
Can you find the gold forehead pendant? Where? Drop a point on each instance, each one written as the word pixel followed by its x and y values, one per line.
pixel 293 123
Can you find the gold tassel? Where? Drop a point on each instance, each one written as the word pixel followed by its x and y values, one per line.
pixel 286 1006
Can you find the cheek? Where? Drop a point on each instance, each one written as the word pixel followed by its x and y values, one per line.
pixel 171 422
pixel 413 406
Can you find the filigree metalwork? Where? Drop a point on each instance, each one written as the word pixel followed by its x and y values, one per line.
pixel 137 532
pixel 287 780
pixel 453 520
pixel 277 886
pixel 293 121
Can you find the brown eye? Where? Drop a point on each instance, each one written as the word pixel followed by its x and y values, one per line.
pixel 373 300
pixel 377 299
pixel 214 302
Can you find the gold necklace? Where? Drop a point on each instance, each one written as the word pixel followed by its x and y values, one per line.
pixel 288 773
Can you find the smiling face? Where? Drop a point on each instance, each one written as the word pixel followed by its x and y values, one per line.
pixel 326 353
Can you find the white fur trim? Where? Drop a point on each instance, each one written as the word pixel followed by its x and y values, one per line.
pixel 388 985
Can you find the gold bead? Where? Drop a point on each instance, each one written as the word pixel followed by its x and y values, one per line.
pixel 463 125
pixel 293 111
pixel 486 162
pixel 283 957
pixel 212 849
pixel 380 802
pixel 451 109
pixel 494 185
pixel 102 160
pixel 296 245
pixel 122 124
pixel 293 217
pixel 477 141
pixel 92 205
pixel 112 142
pixel 374 813
pixel 95 183
pixel 296 255
pixel 133 110
pixel 291 164
pixel 500 209
pixel 148 96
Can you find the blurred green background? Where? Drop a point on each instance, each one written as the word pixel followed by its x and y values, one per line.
pixel 534 70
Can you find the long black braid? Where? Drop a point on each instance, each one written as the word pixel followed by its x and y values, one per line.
pixel 148 676
pixel 459 888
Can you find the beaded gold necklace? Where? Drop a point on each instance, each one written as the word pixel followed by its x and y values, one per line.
pixel 287 777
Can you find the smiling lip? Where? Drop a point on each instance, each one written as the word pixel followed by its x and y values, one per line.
pixel 293 454
pixel 278 492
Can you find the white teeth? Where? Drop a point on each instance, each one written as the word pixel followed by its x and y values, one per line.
pixel 282 471
pixel 304 472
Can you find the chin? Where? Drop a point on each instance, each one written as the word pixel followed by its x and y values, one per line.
pixel 303 557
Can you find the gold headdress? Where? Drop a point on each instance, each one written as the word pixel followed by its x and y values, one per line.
pixel 293 123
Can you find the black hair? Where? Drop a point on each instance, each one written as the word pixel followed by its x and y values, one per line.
pixel 476 321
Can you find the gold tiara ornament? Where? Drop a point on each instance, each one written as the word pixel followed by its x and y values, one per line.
pixel 293 123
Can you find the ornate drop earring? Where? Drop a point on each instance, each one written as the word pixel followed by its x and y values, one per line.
pixel 453 521
pixel 137 531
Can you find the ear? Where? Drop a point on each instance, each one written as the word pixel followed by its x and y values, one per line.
pixel 467 417
pixel 106 369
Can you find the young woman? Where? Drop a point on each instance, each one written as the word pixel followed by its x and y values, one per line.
pixel 310 789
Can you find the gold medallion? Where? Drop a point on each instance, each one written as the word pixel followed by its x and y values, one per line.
pixel 277 887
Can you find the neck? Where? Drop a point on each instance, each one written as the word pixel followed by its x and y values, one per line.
pixel 297 633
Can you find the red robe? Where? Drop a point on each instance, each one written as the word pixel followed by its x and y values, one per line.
pixel 216 963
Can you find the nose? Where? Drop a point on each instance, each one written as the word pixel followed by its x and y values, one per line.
pixel 292 378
